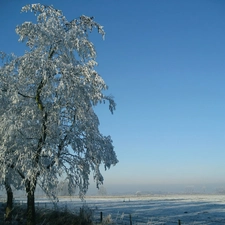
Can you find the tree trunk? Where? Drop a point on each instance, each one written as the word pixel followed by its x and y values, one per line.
pixel 9 204
pixel 30 204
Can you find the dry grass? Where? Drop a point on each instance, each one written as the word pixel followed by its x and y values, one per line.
pixel 51 217
pixel 48 217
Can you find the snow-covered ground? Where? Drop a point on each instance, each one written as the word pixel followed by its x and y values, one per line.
pixel 167 209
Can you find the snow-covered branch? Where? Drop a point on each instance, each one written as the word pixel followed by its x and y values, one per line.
pixel 48 125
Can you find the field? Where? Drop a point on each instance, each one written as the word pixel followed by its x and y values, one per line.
pixel 154 210
pixel 166 209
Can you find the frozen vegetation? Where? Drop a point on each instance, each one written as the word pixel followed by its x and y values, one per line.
pixel 156 209
pixel 49 129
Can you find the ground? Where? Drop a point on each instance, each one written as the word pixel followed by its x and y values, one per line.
pixel 154 210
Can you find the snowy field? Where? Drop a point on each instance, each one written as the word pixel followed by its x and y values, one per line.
pixel 167 209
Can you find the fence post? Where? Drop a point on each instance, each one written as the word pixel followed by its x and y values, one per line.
pixel 179 222
pixel 66 207
pixel 130 219
pixel 101 217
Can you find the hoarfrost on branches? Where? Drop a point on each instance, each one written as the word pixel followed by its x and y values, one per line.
pixel 49 128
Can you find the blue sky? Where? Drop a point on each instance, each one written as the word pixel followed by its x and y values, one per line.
pixel 164 62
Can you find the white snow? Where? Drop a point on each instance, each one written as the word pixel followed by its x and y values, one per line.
pixel 154 210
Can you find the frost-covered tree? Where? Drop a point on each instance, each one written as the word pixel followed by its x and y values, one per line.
pixel 50 129
pixel 102 191
pixel 8 175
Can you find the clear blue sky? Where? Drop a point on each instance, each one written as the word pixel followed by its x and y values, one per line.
pixel 164 62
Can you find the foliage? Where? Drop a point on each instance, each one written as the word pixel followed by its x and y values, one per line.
pixel 48 126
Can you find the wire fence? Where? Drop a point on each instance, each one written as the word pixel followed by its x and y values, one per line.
pixel 106 216
pixel 100 217
pixel 130 219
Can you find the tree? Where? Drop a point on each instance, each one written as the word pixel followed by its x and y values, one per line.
pixel 52 129
pixel 62 189
pixel 9 177
pixel 102 191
